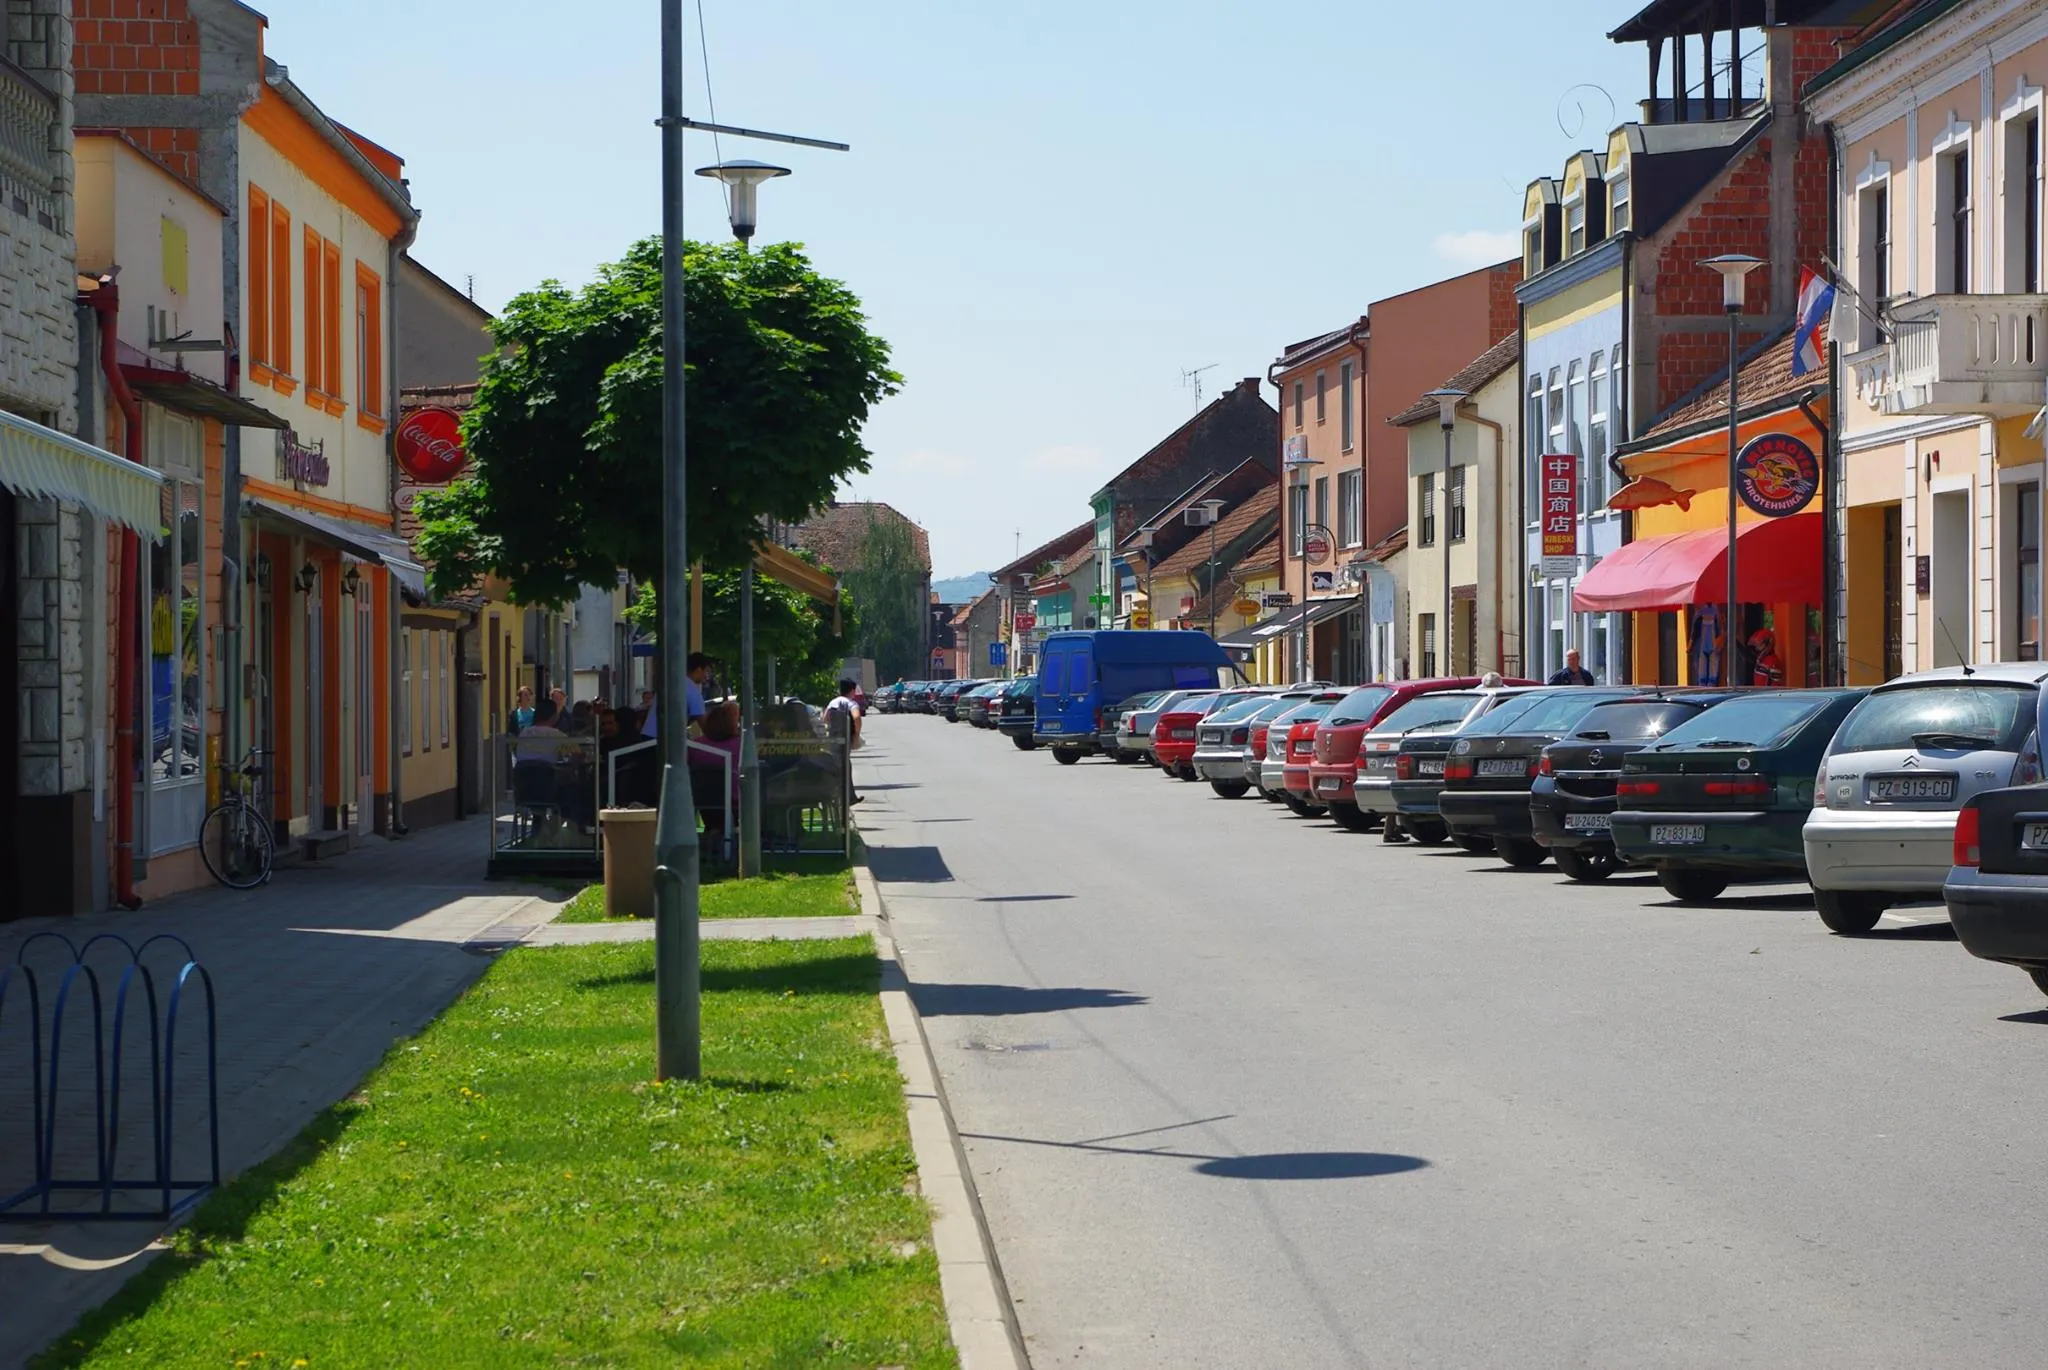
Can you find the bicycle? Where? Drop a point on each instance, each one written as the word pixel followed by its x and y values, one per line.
pixel 235 839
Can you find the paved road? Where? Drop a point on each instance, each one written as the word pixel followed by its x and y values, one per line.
pixel 1245 1090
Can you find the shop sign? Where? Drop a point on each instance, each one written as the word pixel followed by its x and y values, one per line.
pixel 1777 475
pixel 429 445
pixel 1560 496
pixel 1315 544
pixel 1276 599
pixel 1294 451
pixel 1141 619
pixel 1322 581
pixel 1245 608
pixel 302 463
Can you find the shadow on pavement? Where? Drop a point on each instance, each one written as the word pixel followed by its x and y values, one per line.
pixel 1311 1165
pixel 908 865
pixel 1916 932
pixel 1020 898
pixel 2039 1015
pixel 997 1001
pixel 895 785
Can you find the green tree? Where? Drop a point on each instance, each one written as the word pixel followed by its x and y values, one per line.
pixel 788 625
pixel 565 431
pixel 888 586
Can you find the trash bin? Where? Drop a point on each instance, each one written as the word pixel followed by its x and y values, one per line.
pixel 628 862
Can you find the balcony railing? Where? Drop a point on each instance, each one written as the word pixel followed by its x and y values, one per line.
pixel 28 142
pixel 1968 354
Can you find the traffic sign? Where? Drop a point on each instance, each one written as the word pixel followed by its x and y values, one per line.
pixel 1025 621
pixel 998 653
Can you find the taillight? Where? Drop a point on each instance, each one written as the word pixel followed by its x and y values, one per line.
pixel 1966 852
pixel 1536 767
pixel 2028 770
pixel 1751 786
pixel 1239 735
pixel 1543 766
pixel 1636 787
pixel 1404 768
pixel 1098 720
pixel 1457 770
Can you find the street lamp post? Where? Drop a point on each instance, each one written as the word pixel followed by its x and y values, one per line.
pixel 1213 510
pixel 1447 419
pixel 1733 267
pixel 1300 467
pixel 677 854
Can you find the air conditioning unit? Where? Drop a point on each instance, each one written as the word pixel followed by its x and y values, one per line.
pixel 1197 517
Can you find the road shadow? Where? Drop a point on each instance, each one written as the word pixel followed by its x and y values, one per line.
pixel 1311 1165
pixel 2039 1017
pixel 895 785
pixel 1021 898
pixel 909 865
pixel 998 1001
pixel 1917 932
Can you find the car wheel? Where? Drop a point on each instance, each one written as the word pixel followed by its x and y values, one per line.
pixel 1519 852
pixel 1066 756
pixel 2040 980
pixel 1473 844
pixel 1230 789
pixel 1269 796
pixel 1587 868
pixel 1186 772
pixel 1430 832
pixel 1847 911
pixel 1692 887
pixel 1024 744
pixel 1298 806
pixel 1124 758
pixel 1350 817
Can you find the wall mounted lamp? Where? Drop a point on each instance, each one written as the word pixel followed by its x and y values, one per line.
pixel 351 581
pixel 306 578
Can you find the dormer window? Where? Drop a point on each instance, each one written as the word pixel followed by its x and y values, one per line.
pixel 1575 226
pixel 1532 249
pixel 1618 216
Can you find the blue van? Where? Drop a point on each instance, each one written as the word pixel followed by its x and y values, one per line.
pixel 1080 674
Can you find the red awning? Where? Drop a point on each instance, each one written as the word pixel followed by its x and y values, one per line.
pixel 1777 561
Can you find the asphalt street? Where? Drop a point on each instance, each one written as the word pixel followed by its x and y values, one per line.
pixel 1239 1089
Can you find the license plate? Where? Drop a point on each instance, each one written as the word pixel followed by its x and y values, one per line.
pixel 1502 766
pixel 2035 836
pixel 1678 834
pixel 1049 728
pixel 1588 822
pixel 1429 768
pixel 1183 734
pixel 1329 784
pixel 1891 787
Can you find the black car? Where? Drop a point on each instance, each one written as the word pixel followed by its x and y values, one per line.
pixel 1017 713
pixel 1997 891
pixel 1485 798
pixel 1726 795
pixel 1571 801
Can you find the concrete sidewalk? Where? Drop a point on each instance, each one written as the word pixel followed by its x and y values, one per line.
pixel 317 974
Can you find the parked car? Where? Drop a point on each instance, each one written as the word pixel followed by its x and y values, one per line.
pixel 947 701
pixel 1081 672
pixel 1230 743
pixel 1177 733
pixel 1726 795
pixel 887 699
pixel 1882 830
pixel 1435 710
pixel 1419 763
pixel 1334 769
pixel 1119 738
pixel 1276 764
pixel 921 699
pixel 1493 763
pixel 1997 886
pixel 1572 801
pixel 1017 716
pixel 980 699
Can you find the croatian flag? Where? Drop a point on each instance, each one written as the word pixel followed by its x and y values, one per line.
pixel 1816 298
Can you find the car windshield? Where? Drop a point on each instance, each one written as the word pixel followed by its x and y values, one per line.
pixel 1360 705
pixel 1444 710
pixel 1762 720
pixel 1546 713
pixel 1307 713
pixel 1950 714
pixel 1639 720
pixel 1239 711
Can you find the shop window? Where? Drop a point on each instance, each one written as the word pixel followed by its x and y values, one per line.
pixel 174 766
pixel 2027 540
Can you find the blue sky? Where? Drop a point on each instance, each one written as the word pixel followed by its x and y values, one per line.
pixel 1051 210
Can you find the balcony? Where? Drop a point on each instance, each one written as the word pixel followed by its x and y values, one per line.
pixel 1968 354
pixel 29 181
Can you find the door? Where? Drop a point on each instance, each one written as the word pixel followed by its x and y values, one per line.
pixel 1948 621
pixel 1081 691
pixel 314 730
pixel 1894 593
pixel 365 710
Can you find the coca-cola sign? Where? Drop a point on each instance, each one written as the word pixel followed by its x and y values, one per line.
pixel 429 446
pixel 302 463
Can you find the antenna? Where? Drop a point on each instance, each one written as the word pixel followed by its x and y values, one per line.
pixel 471 286
pixel 1192 380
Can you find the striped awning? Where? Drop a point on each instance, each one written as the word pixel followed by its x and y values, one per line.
pixel 42 463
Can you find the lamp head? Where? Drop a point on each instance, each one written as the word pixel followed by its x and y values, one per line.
pixel 743 178
pixel 1734 267
pixel 1446 405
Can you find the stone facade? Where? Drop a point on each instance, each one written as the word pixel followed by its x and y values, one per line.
pixel 50 580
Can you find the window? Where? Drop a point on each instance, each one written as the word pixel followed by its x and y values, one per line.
pixel 1597 444
pixel 1617 401
pixel 1297 406
pixel 1297 517
pixel 2027 527
pixel 1532 439
pixel 1575 412
pixel 330 311
pixel 258 252
pixel 316 332
pixel 1618 208
pixel 1425 508
pixel 1454 493
pixel 369 346
pixel 1873 252
pixel 1350 485
pixel 1344 374
pixel 1426 630
pixel 1575 226
pixel 1532 249
pixel 1952 218
pixel 281 293
pixel 2022 196
pixel 405 693
pixel 1322 501
pixel 1322 400
pixel 428 661
pixel 176 638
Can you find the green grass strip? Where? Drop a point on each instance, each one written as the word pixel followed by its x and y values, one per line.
pixel 511 1189
pixel 828 893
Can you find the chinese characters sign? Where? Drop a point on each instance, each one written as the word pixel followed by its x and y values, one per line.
pixel 1559 511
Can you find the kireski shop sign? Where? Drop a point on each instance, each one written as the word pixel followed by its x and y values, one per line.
pixel 302 463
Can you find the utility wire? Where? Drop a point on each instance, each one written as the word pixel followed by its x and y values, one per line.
pixel 711 100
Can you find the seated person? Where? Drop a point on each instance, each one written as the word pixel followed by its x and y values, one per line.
pixel 721 731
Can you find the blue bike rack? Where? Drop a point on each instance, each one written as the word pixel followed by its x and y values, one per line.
pixel 157 1192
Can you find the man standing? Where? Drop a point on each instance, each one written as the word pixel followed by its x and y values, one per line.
pixel 698 671
pixel 1573 673
pixel 842 720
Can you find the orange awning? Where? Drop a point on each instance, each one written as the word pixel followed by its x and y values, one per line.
pixel 1777 561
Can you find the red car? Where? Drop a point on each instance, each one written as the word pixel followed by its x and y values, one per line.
pixel 1174 734
pixel 1334 767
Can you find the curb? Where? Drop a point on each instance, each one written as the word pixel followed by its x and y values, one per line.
pixel 978 1309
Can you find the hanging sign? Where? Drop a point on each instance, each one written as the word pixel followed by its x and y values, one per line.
pixel 1294 451
pixel 1275 599
pixel 1560 506
pixel 1315 544
pixel 429 445
pixel 1141 618
pixel 1245 608
pixel 1777 475
pixel 1322 582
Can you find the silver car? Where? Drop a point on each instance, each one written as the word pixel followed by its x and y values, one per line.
pixel 1134 733
pixel 1271 776
pixel 1222 740
pixel 1882 830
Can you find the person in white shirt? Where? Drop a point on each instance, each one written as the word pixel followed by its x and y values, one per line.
pixel 842 719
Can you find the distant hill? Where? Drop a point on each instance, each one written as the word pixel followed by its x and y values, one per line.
pixel 961 589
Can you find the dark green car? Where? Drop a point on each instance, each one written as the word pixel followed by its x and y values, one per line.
pixel 1725 796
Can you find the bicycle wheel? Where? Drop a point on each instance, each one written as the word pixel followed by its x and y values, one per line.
pixel 236 846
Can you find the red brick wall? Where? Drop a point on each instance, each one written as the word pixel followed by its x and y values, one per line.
pixel 1503 314
pixel 141 47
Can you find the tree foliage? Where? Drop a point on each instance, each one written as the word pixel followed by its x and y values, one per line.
pixel 565 431
pixel 888 585
pixel 788 625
